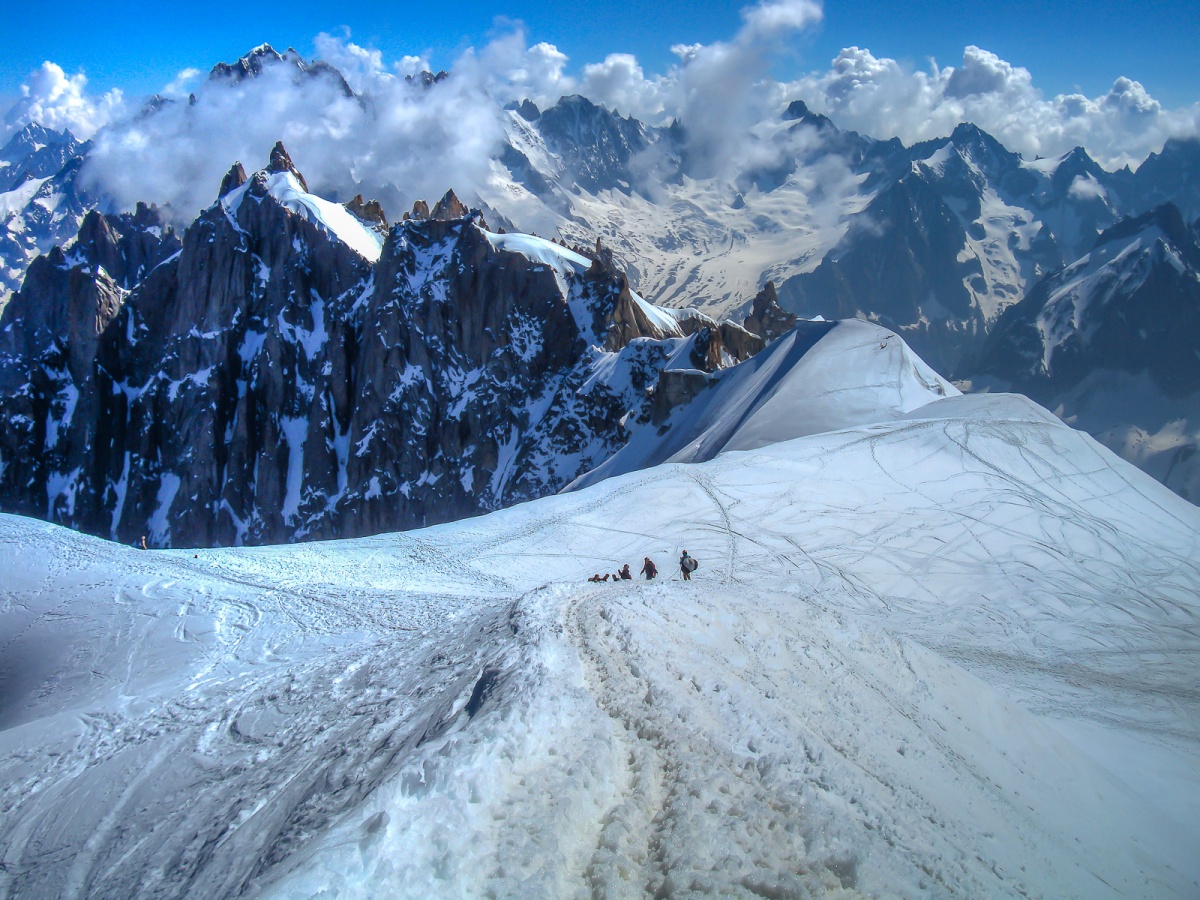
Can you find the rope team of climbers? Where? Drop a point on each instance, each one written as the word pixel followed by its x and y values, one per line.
pixel 687 565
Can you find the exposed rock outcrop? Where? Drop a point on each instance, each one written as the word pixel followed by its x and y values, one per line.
pixel 282 162
pixel 449 207
pixel 234 178
pixel 767 319
pixel 370 211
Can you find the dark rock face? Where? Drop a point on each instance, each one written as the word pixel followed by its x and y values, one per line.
pixel 928 256
pixel 905 274
pixel 597 147
pixel 36 152
pixel 448 208
pixel 281 161
pixel 1131 305
pixel 1172 176
pixel 234 178
pixel 1109 343
pixel 369 211
pixel 260 381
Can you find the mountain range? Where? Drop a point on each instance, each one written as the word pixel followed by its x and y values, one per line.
pixel 274 332
pixel 941 641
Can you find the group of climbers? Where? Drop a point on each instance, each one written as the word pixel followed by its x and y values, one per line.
pixel 687 565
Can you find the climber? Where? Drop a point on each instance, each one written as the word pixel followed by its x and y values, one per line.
pixel 649 569
pixel 687 565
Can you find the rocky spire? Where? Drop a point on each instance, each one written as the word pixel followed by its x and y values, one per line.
pixel 234 178
pixel 767 319
pixel 368 210
pixel 449 207
pixel 281 162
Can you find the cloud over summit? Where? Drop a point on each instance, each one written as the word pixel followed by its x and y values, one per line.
pixel 399 142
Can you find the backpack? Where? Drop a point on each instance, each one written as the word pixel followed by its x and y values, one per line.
pixel 690 564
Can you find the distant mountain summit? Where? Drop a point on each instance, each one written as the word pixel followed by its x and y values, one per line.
pixel 1110 343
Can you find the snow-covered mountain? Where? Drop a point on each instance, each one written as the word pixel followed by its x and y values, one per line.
pixel 42 203
pixel 291 368
pixel 1110 343
pixel 948 652
pixel 933 241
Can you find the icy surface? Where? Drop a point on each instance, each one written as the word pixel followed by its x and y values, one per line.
pixel 952 652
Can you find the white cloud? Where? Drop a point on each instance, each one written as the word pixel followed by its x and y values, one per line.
pixel 180 86
pixel 882 98
pixel 773 20
pixel 56 101
pixel 400 142
pixel 619 83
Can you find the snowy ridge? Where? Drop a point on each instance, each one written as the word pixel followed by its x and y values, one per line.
pixel 332 218
pixel 953 654
pixel 821 376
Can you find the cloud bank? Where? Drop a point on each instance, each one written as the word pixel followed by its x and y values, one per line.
pixel 52 99
pixel 881 98
pixel 399 142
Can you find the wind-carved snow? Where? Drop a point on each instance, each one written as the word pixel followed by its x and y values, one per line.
pixel 560 258
pixel 951 652
pixel 820 377
pixel 330 217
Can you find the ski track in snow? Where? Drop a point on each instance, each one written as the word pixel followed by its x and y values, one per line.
pixel 915 661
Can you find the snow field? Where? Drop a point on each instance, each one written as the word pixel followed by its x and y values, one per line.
pixel 913 661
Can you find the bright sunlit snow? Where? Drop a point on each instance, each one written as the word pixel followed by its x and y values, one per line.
pixel 952 652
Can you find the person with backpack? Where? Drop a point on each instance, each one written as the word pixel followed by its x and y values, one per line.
pixel 624 573
pixel 687 565
pixel 649 569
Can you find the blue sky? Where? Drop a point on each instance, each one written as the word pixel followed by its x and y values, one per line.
pixel 1067 46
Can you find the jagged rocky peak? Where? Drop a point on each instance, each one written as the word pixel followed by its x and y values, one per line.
pixel 263 56
pixel 32 138
pixel 247 66
pixel 426 79
pixel 449 207
pixel 526 109
pixel 234 178
pixel 368 210
pixel 1166 218
pixel 798 111
pixel 767 319
pixel 282 162
pixel 95 231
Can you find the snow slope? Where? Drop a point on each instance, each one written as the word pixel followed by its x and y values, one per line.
pixel 948 653
pixel 821 376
